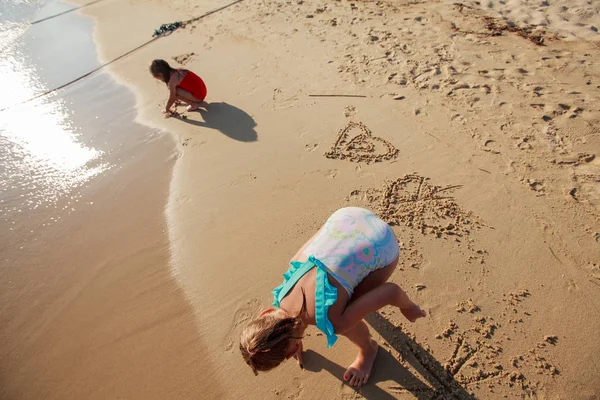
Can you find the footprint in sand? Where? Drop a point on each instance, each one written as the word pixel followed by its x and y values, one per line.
pixel 310 147
pixel 243 314
pixel 243 179
pixel 536 185
pixel 586 177
pixel 332 173
pixel 292 390
pixel 491 146
pixel 280 100
pixel 349 111
pixel 572 285
pixel 595 268
pixel 525 143
pixel 328 173
pixel 183 59
pixel 348 393
pixel 575 130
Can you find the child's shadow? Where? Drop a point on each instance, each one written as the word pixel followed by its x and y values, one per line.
pixel 439 383
pixel 229 120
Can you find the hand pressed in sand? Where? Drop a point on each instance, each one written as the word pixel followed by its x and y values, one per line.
pixel 298 355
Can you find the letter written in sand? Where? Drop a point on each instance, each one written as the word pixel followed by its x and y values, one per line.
pixel 413 201
pixel 360 145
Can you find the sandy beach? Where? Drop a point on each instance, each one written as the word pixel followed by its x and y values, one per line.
pixel 472 128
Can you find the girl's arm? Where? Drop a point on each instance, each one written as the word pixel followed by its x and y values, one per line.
pixel 384 295
pixel 174 80
pixel 298 355
pixel 172 97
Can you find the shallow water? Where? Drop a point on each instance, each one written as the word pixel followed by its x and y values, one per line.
pixel 53 147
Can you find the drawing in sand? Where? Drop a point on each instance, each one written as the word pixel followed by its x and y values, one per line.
pixel 356 143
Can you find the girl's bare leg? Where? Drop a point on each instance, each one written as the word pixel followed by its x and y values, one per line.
pixel 374 279
pixel 188 98
pixel 377 278
pixel 358 372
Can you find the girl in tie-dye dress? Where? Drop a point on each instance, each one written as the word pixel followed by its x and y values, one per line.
pixel 336 279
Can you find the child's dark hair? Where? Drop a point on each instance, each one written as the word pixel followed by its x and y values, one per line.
pixel 161 67
pixel 265 341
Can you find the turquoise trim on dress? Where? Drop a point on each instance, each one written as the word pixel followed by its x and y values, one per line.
pixel 324 298
pixel 290 278
pixel 325 293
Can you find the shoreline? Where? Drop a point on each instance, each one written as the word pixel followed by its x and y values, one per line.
pixel 90 309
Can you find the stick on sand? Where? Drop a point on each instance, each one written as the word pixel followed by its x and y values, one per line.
pixel 336 95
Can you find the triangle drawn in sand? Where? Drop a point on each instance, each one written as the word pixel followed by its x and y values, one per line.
pixel 361 146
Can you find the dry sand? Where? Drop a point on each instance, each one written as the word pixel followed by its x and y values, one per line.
pixel 488 168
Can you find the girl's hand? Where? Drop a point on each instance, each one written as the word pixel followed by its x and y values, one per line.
pixel 298 355
pixel 169 113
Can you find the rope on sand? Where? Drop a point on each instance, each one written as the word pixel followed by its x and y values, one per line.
pixel 155 36
pixel 65 12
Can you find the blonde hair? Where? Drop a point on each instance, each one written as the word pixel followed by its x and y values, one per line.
pixel 265 341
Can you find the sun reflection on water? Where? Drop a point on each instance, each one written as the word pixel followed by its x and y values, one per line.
pixel 42 154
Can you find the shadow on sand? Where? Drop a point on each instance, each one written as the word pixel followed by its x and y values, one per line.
pixel 437 383
pixel 229 120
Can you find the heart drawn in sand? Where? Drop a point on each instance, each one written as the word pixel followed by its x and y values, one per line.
pixel 362 146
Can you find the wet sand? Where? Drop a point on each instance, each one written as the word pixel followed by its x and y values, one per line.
pixel 92 311
pixel 493 194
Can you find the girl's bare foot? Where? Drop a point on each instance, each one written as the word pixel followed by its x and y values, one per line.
pixel 193 107
pixel 358 372
pixel 413 313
